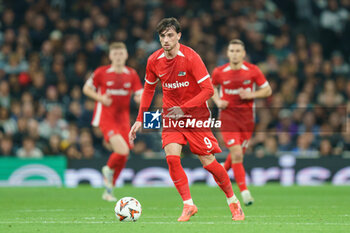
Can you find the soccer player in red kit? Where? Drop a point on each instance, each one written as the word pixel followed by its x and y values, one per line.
pixel 111 87
pixel 238 79
pixel 186 88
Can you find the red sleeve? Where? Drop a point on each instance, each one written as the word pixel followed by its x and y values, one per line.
pixel 215 77
pixel 207 91
pixel 150 76
pixel 199 71
pixel 148 91
pixel 136 83
pixel 260 79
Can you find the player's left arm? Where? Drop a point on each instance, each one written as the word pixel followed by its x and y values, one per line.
pixel 207 91
pixel 200 72
pixel 263 91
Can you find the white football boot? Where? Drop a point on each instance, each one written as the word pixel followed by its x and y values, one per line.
pixel 247 197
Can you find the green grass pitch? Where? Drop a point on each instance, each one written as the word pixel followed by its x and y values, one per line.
pixel 277 209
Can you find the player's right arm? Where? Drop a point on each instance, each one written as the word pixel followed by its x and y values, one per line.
pixel 220 103
pixel 90 90
pixel 146 99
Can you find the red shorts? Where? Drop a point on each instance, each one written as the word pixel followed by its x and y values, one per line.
pixel 236 138
pixel 237 127
pixel 202 142
pixel 112 129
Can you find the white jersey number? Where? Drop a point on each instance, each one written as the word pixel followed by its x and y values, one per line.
pixel 208 142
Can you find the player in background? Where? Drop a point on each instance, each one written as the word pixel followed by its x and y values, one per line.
pixel 237 80
pixel 111 87
pixel 186 87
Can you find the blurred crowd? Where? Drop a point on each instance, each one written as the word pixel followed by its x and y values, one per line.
pixel 48 48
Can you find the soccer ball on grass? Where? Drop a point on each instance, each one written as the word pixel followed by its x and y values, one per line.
pixel 128 209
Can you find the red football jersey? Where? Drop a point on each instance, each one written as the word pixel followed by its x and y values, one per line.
pixel 119 86
pixel 182 78
pixel 231 82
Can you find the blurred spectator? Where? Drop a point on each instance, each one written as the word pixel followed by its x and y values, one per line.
pixel 54 146
pixel 74 113
pixel 269 148
pixel 304 146
pixel 38 88
pixel 340 67
pixel 329 96
pixel 6 146
pixel 286 123
pixel 87 151
pixel 284 141
pixel 15 109
pixel 51 99
pixel 72 152
pixel 15 65
pixel 33 132
pixel 332 21
pixel 28 149
pixel 7 124
pixel 147 43
pixel 325 148
pixel 5 99
pixel 21 132
pixel 53 124
pixel 46 59
pixel 308 123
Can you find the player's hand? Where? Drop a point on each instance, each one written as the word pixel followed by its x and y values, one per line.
pixel 175 113
pixel 246 95
pixel 132 134
pixel 222 104
pixel 106 100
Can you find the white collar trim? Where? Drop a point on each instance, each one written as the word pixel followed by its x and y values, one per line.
pixel 178 53
pixel 244 67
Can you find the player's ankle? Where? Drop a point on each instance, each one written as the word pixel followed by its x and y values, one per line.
pixel 232 199
pixel 188 202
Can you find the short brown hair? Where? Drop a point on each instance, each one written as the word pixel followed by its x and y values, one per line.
pixel 237 41
pixel 117 45
pixel 168 23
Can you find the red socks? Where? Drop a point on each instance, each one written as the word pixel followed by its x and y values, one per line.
pixel 178 176
pixel 228 162
pixel 117 162
pixel 239 174
pixel 221 177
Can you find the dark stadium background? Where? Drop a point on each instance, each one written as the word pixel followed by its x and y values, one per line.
pixel 49 48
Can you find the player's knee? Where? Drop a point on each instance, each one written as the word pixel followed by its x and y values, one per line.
pixel 206 159
pixel 237 157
